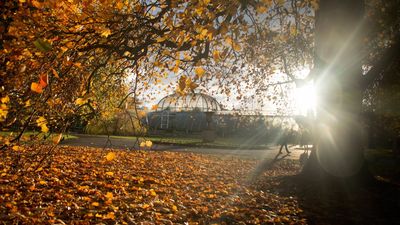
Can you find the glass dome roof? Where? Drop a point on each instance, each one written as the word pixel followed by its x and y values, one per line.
pixel 193 101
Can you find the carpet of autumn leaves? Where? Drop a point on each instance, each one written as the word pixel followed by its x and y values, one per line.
pixel 80 185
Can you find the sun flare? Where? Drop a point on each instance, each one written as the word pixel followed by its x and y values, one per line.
pixel 305 99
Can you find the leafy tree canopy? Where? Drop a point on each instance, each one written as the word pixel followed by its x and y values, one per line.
pixel 58 55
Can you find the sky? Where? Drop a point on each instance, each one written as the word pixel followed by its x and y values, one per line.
pixel 300 100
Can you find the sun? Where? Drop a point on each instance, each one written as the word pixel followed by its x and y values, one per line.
pixel 305 99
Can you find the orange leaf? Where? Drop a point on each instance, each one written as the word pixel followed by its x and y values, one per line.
pixel 109 173
pixel 42 182
pixel 109 195
pixel 199 71
pixel 43 80
pixel 57 139
pixel 95 204
pixel 37 4
pixel 110 216
pixel 110 156
pixel 35 87
pixel 154 107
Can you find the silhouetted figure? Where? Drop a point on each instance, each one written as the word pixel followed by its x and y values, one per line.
pixel 284 141
pixel 305 140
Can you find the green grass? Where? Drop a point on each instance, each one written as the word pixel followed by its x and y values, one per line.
pixel 197 141
pixel 28 134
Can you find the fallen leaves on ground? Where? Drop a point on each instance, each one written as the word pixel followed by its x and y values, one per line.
pixel 91 186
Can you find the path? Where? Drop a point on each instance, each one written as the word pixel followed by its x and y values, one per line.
pixel 126 143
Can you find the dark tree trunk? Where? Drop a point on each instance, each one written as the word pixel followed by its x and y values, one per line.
pixel 338 136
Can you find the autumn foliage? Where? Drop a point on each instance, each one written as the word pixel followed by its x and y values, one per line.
pixel 88 185
pixel 60 58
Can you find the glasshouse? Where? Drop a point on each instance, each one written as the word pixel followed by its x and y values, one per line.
pixel 192 112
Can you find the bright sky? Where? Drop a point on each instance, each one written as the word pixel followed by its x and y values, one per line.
pixel 300 100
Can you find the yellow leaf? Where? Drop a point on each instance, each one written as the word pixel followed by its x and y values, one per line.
pixel 110 173
pixel 174 208
pixel 3 112
pixel 119 5
pixel 42 123
pixel 17 148
pixel 152 192
pixel 110 216
pixel 80 101
pixel 28 103
pixel 199 71
pixel 35 87
pixel 216 55
pixel 42 182
pixel 149 144
pixel 142 144
pixel 44 128
pixel 109 195
pixel 5 99
pixel 105 32
pixel 95 204
pixel 110 156
pixel 161 39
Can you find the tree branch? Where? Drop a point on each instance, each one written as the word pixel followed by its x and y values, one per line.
pixel 380 66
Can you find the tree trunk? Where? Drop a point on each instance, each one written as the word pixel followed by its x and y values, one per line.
pixel 338 148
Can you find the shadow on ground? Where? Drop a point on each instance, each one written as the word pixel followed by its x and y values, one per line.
pixel 339 202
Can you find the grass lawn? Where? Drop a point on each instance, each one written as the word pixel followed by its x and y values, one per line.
pixel 26 136
pixel 197 141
